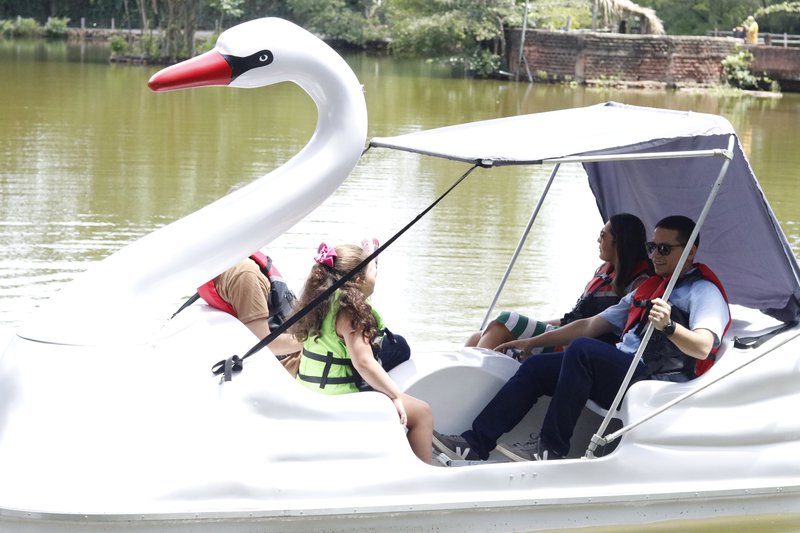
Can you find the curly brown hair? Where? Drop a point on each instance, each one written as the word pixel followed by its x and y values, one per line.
pixel 351 301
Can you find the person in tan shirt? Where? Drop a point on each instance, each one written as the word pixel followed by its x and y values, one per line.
pixel 246 288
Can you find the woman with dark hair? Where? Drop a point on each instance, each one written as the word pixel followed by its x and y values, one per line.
pixel 625 266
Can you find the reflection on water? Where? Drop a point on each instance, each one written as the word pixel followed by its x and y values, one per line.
pixel 92 160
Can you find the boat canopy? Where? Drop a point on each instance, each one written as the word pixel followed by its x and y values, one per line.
pixel 741 239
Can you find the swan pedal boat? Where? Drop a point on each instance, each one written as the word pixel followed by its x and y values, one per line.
pixel 110 418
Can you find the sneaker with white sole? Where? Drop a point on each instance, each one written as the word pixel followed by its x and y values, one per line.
pixel 454 447
pixel 531 450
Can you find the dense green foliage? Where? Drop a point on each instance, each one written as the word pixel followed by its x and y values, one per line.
pixel 231 9
pixel 737 69
pixel 56 28
pixel 359 21
pixel 348 22
pixel 780 17
pixel 695 17
pixel 21 27
pixel 467 34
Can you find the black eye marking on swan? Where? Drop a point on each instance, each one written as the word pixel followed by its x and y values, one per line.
pixel 240 65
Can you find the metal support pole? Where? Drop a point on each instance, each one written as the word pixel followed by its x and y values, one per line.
pixel 520 244
pixel 522 42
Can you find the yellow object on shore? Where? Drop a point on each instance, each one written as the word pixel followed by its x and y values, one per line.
pixel 751 29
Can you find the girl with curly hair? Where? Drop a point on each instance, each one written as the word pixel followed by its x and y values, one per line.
pixel 338 336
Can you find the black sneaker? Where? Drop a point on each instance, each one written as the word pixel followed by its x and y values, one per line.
pixel 454 447
pixel 532 450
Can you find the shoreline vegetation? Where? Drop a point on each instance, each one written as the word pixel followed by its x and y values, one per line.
pixel 615 42
pixel 141 47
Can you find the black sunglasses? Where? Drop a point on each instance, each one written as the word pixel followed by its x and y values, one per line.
pixel 662 247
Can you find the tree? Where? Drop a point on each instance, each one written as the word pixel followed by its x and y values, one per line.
pixel 470 34
pixel 351 22
pixel 226 8
pixel 783 17
pixel 620 11
pixel 695 17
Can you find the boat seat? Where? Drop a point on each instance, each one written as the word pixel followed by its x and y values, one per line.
pixel 595 408
pixel 725 345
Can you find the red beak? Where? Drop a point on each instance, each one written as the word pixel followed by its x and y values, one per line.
pixel 206 69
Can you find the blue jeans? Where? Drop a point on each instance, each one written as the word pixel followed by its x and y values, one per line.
pixel 588 369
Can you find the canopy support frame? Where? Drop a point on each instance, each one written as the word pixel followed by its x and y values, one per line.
pixel 727 153
pixel 488 163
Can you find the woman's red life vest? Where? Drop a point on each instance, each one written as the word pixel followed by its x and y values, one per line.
pixel 653 287
pixel 599 293
pixel 280 298
pixel 603 276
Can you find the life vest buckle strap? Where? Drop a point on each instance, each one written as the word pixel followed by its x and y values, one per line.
pixel 227 367
pixel 324 359
pixel 329 359
pixel 328 381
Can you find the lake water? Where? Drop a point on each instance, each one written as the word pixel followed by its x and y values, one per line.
pixel 93 160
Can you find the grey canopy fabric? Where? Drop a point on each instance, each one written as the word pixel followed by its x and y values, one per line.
pixel 741 239
pixel 527 139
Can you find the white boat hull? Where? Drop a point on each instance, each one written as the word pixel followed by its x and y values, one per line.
pixel 189 454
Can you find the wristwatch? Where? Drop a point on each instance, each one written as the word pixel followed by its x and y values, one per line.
pixel 669 329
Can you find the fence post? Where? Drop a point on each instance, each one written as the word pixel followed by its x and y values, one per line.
pixel 112 23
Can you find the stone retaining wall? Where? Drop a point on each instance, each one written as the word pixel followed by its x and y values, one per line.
pixel 779 63
pixel 611 57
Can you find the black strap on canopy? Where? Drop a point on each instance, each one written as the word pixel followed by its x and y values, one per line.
pixel 235 363
pixel 757 340
pixel 192 299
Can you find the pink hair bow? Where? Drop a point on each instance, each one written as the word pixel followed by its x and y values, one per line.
pixel 370 245
pixel 325 255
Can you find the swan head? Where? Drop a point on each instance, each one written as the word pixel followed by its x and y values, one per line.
pixel 253 54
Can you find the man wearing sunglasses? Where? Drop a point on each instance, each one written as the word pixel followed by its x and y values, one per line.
pixel 687 328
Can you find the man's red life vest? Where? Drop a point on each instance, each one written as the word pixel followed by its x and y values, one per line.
pixel 280 298
pixel 654 287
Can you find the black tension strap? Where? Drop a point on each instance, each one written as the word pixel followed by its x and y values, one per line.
pixel 192 299
pixel 235 363
pixel 757 340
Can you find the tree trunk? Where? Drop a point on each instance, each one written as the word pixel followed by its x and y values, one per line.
pixel 171 38
pixel 189 26
pixel 179 29
pixel 143 14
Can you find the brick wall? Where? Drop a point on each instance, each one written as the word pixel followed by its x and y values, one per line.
pixel 782 64
pixel 603 57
